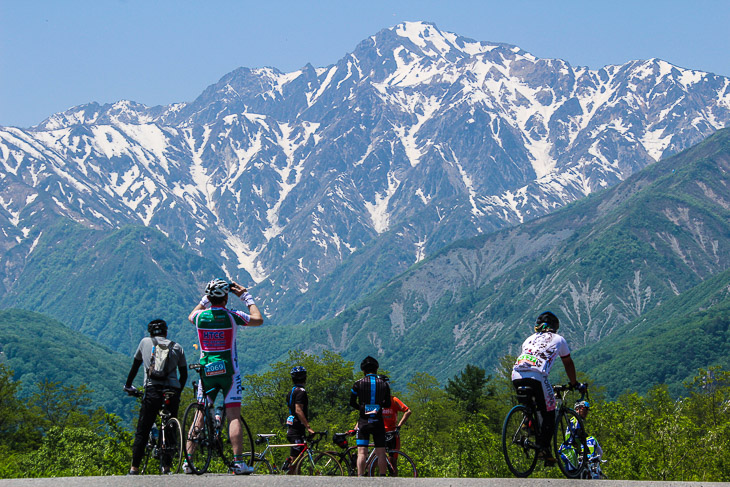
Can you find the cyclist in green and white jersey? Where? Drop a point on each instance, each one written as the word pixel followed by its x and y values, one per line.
pixel 217 326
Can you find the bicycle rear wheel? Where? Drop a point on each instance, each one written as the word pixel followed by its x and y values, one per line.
pixel 198 438
pixel 399 465
pixel 569 442
pixel 519 441
pixel 225 450
pixel 171 449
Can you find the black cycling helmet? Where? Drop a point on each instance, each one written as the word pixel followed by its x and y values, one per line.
pixel 369 364
pixel 157 328
pixel 217 288
pixel 547 322
pixel 298 374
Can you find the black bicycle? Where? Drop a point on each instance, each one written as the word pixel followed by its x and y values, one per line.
pixel 164 448
pixel 521 428
pixel 206 433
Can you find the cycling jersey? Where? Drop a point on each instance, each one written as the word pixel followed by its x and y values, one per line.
pixel 538 354
pixel 297 395
pixel 370 395
pixel 217 328
pixel 390 414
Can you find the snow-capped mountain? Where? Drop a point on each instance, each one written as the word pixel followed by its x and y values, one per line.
pixel 418 133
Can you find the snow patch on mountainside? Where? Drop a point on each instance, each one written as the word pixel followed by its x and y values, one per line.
pixel 378 210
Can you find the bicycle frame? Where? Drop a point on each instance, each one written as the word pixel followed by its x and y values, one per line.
pixel 305 454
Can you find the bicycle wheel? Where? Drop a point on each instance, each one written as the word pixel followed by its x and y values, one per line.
pixel 519 441
pixel 171 449
pixel 569 443
pixel 399 465
pixel 199 438
pixel 261 466
pixel 318 463
pixel 150 461
pixel 225 450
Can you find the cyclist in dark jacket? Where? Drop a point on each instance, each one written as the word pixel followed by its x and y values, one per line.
pixel 154 388
pixel 369 396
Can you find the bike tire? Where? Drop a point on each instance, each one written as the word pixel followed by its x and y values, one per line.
pixel 172 444
pixel 569 444
pixel 399 465
pixel 150 465
pixel 198 437
pixel 223 448
pixel 519 441
pixel 261 466
pixel 319 464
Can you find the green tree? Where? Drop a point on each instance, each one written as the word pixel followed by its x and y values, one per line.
pixel 469 389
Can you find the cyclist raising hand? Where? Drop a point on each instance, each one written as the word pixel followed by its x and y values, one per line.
pixel 217 326
pixel 532 369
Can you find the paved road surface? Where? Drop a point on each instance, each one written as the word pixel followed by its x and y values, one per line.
pixel 284 481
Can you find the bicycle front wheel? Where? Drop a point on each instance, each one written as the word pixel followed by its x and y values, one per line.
pixel 199 438
pixel 569 442
pixel 171 453
pixel 319 463
pixel 150 461
pixel 399 465
pixel 519 441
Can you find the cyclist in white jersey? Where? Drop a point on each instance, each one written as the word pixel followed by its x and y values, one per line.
pixel 532 369
pixel 216 326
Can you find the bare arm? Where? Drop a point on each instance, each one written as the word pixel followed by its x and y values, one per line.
pixel 569 369
pixel 299 411
pixel 404 418
pixel 256 318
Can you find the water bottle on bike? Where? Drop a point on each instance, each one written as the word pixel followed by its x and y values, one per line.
pixel 218 418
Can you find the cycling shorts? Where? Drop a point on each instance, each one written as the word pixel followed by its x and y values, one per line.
pixel 230 385
pixel 392 440
pixel 541 384
pixel 374 428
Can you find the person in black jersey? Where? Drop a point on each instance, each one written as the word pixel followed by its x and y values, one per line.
pixel 369 396
pixel 298 402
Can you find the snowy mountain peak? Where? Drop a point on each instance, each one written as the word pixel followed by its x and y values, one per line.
pixel 436 43
pixel 416 138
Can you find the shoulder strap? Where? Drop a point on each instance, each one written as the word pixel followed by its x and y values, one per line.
pixel 291 399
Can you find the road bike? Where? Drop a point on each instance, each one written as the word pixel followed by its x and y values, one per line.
pixel 310 461
pixel 521 428
pixel 206 433
pixel 399 463
pixel 164 449
pixel 593 469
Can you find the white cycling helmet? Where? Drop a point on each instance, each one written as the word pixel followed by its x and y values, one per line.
pixel 217 288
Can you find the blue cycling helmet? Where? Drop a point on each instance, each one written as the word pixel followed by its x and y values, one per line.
pixel 582 404
pixel 298 373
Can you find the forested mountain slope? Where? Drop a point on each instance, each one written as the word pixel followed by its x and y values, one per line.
pixel 599 264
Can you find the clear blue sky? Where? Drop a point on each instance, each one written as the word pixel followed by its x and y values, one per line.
pixel 56 54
